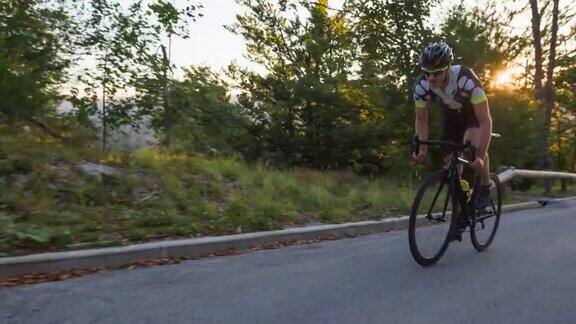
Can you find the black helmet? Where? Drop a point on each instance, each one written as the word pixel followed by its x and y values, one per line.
pixel 436 56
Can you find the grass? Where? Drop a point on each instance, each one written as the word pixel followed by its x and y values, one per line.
pixel 537 190
pixel 46 205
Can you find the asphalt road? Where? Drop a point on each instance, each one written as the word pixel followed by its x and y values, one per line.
pixel 527 276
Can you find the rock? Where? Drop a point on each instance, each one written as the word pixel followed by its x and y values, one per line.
pixel 61 169
pixel 22 180
pixel 146 192
pixel 96 170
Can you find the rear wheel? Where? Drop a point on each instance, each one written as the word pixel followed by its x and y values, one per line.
pixel 485 222
pixel 430 219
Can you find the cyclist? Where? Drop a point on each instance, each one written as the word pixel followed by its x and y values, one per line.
pixel 466 115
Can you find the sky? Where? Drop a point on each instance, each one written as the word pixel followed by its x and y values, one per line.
pixel 211 44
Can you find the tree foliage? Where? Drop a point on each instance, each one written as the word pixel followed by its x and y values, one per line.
pixel 34 57
pixel 124 42
pixel 204 119
pixel 334 87
pixel 331 95
pixel 482 39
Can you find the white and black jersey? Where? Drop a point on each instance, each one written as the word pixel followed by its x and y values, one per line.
pixel 463 89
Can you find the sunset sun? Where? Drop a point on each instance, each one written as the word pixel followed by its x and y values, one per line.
pixel 504 77
pixel 507 77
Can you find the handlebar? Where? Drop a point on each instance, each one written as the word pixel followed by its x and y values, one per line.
pixel 456 146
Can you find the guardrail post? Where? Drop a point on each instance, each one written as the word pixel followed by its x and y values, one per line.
pixel 564 184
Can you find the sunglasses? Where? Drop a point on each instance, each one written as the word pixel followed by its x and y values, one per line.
pixel 434 73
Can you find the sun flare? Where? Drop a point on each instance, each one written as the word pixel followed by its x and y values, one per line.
pixel 507 77
pixel 504 78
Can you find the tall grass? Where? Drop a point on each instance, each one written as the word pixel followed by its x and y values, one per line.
pixel 45 204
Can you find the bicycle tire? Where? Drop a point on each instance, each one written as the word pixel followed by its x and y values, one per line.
pixel 497 209
pixel 428 183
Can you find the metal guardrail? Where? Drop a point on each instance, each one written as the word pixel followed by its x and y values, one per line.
pixel 511 173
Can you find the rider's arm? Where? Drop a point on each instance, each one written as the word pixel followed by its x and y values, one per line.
pixel 482 112
pixel 421 99
pixel 422 125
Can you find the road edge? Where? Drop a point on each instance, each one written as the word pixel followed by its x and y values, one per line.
pixel 115 257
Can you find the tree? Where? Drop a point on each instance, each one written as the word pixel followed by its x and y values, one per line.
pixel 482 39
pixel 537 43
pixel 124 42
pixel 204 119
pixel 34 57
pixel 563 135
pixel 390 36
pixel 545 94
pixel 299 109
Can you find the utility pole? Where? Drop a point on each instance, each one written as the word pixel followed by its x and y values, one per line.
pixel 104 117
pixel 167 120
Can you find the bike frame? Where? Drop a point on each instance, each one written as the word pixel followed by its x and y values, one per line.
pixel 465 211
pixel 452 178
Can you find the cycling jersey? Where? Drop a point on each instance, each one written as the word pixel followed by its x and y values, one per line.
pixel 463 91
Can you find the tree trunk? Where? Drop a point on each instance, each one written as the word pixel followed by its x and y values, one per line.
pixel 544 96
pixel 537 42
pixel 168 118
pixel 549 88
pixel 573 164
pixel 104 115
pixel 104 118
pixel 564 184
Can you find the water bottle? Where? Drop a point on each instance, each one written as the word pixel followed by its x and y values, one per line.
pixel 465 188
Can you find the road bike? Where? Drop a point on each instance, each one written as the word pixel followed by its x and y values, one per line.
pixel 445 205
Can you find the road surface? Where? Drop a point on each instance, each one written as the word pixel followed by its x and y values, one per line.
pixel 527 276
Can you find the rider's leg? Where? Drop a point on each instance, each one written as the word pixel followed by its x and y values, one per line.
pixel 473 135
pixel 453 129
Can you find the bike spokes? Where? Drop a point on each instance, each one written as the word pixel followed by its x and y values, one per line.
pixel 485 222
pixel 430 220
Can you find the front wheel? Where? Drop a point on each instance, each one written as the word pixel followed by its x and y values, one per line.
pixel 431 218
pixel 485 222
